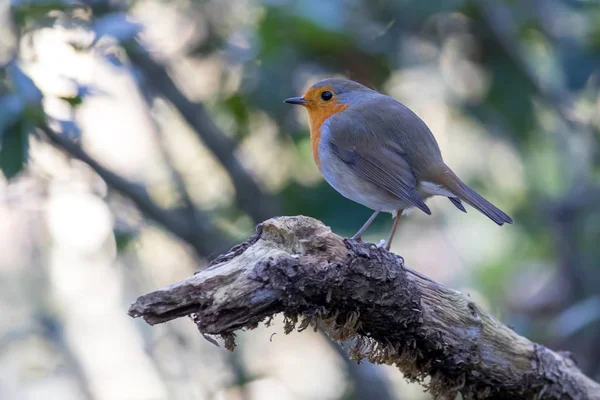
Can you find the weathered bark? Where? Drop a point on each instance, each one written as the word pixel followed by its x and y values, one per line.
pixel 356 291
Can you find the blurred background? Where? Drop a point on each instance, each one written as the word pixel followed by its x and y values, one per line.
pixel 140 139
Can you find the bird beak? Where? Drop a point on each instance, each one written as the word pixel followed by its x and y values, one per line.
pixel 296 100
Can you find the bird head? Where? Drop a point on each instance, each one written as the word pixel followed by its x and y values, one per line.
pixel 330 96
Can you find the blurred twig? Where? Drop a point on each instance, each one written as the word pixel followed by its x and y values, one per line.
pixel 198 233
pixel 194 214
pixel 564 214
pixel 241 376
pixel 50 330
pixel 249 196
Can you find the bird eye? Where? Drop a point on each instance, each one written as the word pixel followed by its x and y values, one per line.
pixel 326 95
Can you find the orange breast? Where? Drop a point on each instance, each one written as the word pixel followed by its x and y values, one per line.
pixel 316 119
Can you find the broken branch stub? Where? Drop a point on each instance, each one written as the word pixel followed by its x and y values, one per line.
pixel 356 291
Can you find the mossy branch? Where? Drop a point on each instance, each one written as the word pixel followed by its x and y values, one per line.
pixel 357 292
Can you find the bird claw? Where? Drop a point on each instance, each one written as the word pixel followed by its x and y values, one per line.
pixel 382 243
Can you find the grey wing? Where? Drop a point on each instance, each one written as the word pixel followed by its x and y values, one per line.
pixel 385 168
pixel 381 121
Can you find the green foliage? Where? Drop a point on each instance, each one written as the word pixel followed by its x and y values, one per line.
pixel 14 149
pixel 26 13
pixel 22 110
pixel 123 239
pixel 237 106
pixel 307 37
pixel 593 42
pixel 73 101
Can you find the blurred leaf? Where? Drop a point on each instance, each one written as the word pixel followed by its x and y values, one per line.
pixel 116 25
pixel 237 106
pixel 74 101
pixel 594 34
pixel 123 240
pixel 529 26
pixel 25 12
pixel 113 59
pixel 487 275
pixel 20 110
pixel 278 30
pixel 23 85
pixel 14 149
pixel 511 91
pixel 12 106
pixel 69 128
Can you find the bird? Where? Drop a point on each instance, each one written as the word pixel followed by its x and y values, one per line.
pixel 376 152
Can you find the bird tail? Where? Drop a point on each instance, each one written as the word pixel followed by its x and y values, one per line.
pixel 471 197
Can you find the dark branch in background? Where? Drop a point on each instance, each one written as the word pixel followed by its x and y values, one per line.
pixel 198 233
pixel 564 216
pixel 249 196
pixel 357 292
pixel 194 214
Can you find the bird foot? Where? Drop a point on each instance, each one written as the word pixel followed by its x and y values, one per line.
pixel 382 243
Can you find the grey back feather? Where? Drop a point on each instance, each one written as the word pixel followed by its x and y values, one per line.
pixel 375 121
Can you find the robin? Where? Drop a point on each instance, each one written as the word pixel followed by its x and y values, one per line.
pixel 377 152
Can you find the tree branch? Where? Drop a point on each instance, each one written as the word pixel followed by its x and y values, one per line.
pixel 198 233
pixel 360 293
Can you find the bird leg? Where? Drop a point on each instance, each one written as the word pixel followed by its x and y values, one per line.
pixel 393 232
pixel 358 235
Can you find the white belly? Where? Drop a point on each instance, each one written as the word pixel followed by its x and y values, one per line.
pixel 341 177
pixel 351 186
